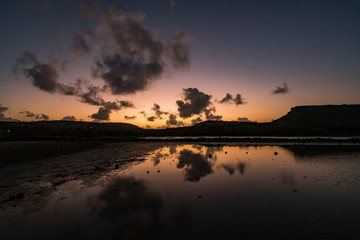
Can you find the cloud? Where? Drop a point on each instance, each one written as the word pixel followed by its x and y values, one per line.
pixel 3 109
pixel 151 119
pixel 157 111
pixel 148 127
pixel 86 12
pixel 103 114
pixel 209 114
pixel 281 90
pixel 81 45
pixel 173 122
pixel 172 5
pixel 3 118
pixel 194 102
pixel 243 119
pixel 135 59
pixel 61 64
pixel 179 50
pixel 91 96
pixel 129 117
pixel 237 100
pixel 69 118
pixel 127 76
pixel 33 115
pixel 196 120
pixel 129 57
pixel 28 114
pixel 42 116
pixel 227 98
pixel 43 76
pixel 143 113
pixel 25 59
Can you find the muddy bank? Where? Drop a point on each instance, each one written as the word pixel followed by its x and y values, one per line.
pixel 25 151
pixel 26 185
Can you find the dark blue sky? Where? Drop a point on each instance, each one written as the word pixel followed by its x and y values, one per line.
pixel 245 47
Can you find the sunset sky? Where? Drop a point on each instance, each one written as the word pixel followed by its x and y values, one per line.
pixel 162 63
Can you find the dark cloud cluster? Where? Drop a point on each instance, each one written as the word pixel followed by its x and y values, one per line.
pixel 3 109
pixel 237 100
pixel 44 76
pixel 243 119
pixel 143 113
pixel 28 114
pixel 196 102
pixel 210 114
pixel 129 117
pixel 69 118
pixel 172 121
pixel 281 90
pixel 151 119
pixel 127 76
pixel 3 118
pixel 196 120
pixel 179 50
pixel 103 114
pixel 40 116
pixel 136 57
pixel 130 58
pixel 157 111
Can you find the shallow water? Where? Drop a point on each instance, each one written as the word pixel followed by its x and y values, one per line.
pixel 195 191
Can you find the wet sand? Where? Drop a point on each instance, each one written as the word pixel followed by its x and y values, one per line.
pixel 27 177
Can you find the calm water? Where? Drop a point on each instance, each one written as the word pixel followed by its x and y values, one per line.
pixel 185 191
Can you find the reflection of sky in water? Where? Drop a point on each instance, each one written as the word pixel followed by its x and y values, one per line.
pixel 190 191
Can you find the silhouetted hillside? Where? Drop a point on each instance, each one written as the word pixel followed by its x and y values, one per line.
pixel 67 129
pixel 320 120
pixel 327 120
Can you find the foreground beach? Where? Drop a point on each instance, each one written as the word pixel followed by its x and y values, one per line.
pixel 137 190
